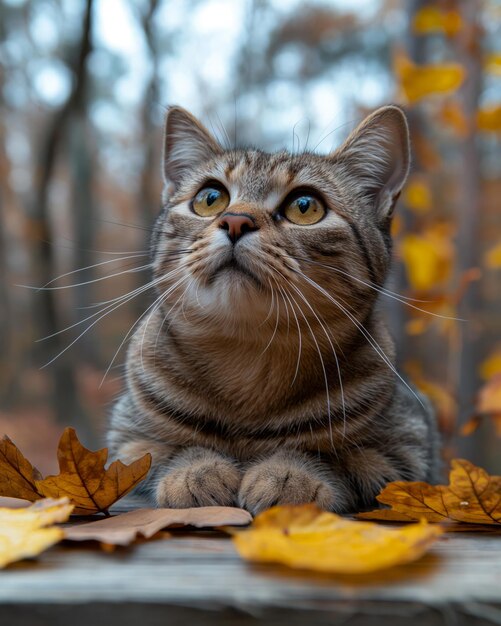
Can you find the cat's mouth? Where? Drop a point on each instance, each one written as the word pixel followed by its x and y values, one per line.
pixel 233 265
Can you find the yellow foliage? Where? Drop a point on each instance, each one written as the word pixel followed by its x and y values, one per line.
pixel 452 115
pixel 493 63
pixel 493 257
pixel 27 531
pixel 418 82
pixel 428 257
pixel 489 119
pixel 418 196
pixel 431 19
pixel 306 538
pixel 472 497
pixel 492 365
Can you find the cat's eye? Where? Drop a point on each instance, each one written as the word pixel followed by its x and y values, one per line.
pixel 304 210
pixel 210 201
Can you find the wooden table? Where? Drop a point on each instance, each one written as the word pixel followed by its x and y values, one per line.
pixel 197 578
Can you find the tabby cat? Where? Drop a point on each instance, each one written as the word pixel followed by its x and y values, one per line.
pixel 263 373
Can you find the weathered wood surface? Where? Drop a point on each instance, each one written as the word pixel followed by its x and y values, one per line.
pixel 197 578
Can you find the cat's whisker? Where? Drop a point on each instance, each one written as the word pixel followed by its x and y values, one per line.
pixel 89 267
pixel 277 306
pixel 374 344
pixel 154 307
pixel 300 339
pixel 169 312
pixel 336 359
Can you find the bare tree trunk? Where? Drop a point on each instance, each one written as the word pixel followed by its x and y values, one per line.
pixel 65 400
pixel 468 198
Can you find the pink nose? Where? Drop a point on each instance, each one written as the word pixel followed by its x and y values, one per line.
pixel 237 224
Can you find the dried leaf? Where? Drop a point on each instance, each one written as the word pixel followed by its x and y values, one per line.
pixel 431 19
pixel 27 531
pixel 451 114
pixel 472 497
pixel 419 82
pixel 489 119
pixel 428 256
pixel 307 538
pixel 17 475
pixel 124 529
pixel 82 478
pixel 493 257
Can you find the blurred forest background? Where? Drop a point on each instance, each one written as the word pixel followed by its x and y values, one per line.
pixel 83 89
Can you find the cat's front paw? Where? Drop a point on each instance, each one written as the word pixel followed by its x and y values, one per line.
pixel 283 480
pixel 210 480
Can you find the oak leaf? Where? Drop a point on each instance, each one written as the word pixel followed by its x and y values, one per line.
pixel 83 477
pixel 25 532
pixel 472 497
pixel 422 81
pixel 307 538
pixel 125 528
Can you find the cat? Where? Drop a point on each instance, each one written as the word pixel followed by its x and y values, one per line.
pixel 264 373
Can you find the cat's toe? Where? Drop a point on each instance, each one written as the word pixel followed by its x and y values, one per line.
pixel 200 484
pixel 264 487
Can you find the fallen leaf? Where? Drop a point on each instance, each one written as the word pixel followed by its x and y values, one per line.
pixel 83 478
pixel 470 426
pixel 422 81
pixel 493 257
pixel 428 256
pixel 489 119
pixel 123 529
pixel 431 19
pixel 17 475
pixel 472 497
pixel 305 537
pixel 27 532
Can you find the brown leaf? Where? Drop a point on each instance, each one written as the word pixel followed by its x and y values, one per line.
pixel 17 475
pixel 125 528
pixel 472 497
pixel 83 477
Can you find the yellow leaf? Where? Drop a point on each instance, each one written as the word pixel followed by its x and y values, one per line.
pixel 493 63
pixel 452 115
pixel 418 82
pixel 472 497
pixel 305 537
pixel 491 365
pixel 489 119
pixel 431 19
pixel 493 257
pixel 83 478
pixel 418 195
pixel 27 531
pixel 428 257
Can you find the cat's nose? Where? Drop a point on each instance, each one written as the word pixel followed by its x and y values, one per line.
pixel 237 224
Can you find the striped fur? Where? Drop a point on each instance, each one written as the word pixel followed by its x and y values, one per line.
pixel 263 373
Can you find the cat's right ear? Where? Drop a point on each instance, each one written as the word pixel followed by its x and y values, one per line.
pixel 187 143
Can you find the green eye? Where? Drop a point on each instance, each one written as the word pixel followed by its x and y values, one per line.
pixel 210 201
pixel 304 211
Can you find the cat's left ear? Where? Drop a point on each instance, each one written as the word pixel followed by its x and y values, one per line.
pixel 187 143
pixel 377 154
